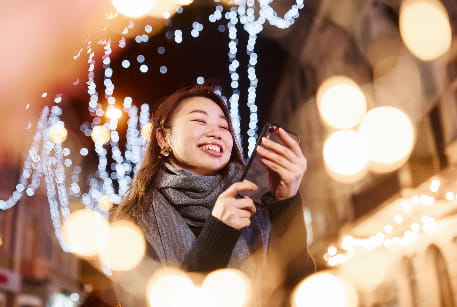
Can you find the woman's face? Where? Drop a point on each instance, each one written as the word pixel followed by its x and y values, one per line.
pixel 199 137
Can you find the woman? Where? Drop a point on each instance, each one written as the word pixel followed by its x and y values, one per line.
pixel 184 196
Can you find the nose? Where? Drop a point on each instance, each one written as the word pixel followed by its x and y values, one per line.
pixel 213 131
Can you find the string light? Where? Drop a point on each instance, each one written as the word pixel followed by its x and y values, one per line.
pixel 244 14
pixel 404 228
pixel 48 157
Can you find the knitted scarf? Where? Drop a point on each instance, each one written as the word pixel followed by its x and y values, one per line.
pixel 182 198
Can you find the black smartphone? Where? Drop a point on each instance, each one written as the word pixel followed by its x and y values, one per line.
pixel 256 171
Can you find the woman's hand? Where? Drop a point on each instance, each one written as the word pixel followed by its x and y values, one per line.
pixel 232 211
pixel 287 162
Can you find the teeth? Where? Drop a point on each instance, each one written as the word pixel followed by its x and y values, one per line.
pixel 212 148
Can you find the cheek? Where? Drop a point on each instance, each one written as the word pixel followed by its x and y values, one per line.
pixel 229 146
pixel 181 137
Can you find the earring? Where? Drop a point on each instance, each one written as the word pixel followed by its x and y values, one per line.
pixel 165 151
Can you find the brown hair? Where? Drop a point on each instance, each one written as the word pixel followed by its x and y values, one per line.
pixel 133 202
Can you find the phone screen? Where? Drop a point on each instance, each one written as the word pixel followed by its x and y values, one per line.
pixel 256 171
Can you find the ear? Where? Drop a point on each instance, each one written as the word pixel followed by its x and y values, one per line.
pixel 161 137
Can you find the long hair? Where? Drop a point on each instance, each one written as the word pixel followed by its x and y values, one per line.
pixel 133 203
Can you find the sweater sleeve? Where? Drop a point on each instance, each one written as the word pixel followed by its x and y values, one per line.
pixel 213 247
pixel 277 207
pixel 288 243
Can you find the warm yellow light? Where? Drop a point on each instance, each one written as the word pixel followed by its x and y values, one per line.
pixel 124 248
pixel 164 9
pixel 314 291
pixel 85 231
pixel 57 133
pixel 184 2
pixel 146 131
pixel 113 113
pixel 166 284
pixel 341 102
pixel 193 297
pixel 133 8
pixel 390 137
pixel 346 156
pixel 229 2
pixel 231 288
pixel 425 28
pixel 100 135
pixel 105 203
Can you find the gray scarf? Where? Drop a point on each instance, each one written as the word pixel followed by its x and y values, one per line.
pixel 182 198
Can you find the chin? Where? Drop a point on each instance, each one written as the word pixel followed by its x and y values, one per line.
pixel 212 170
pixel 203 168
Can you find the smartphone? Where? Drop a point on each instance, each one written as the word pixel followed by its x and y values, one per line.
pixel 257 172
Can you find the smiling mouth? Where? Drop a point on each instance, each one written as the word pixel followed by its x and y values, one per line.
pixel 212 148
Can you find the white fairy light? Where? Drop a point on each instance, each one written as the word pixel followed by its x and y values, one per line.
pixel 388 228
pixel 398 219
pixel 244 14
pixel 435 185
pixel 332 250
pixel 51 161
pixel 450 196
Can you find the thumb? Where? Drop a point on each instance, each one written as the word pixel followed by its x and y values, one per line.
pixel 237 187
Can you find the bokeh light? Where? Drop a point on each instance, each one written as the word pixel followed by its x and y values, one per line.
pixel 315 291
pixel 164 9
pixel 165 284
pixel 85 231
pixel 125 247
pixel 425 28
pixel 346 156
pixel 105 203
pixel 390 137
pixel 146 131
pixel 193 297
pixel 184 2
pixel 100 135
pixel 341 102
pixel 113 174
pixel 133 8
pixel 57 133
pixel 230 287
pixel 113 113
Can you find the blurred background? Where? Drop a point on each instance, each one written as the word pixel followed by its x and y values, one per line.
pixel 370 86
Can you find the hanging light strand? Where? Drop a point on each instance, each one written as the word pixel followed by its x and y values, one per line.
pixel 52 160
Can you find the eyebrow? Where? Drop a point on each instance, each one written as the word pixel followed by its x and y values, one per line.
pixel 222 116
